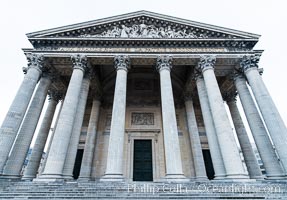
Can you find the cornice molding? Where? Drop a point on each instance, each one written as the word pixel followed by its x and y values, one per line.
pixel 53 43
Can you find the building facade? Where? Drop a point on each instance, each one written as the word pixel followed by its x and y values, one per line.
pixel 142 97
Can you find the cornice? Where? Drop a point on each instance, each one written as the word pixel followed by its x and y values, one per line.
pixel 245 44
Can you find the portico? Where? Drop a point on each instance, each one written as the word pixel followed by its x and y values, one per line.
pixel 142 81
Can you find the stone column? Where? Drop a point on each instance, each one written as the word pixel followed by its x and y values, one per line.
pixel 76 133
pixel 50 140
pixel 24 138
pixel 38 148
pixel 171 142
pixel 114 169
pixel 57 155
pixel 229 150
pixel 17 110
pixel 200 171
pixel 271 116
pixel 213 144
pixel 246 147
pixel 261 138
pixel 87 161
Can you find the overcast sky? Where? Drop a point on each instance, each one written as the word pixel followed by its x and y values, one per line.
pixel 267 18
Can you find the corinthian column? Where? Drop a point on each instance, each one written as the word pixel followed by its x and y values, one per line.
pixel 229 150
pixel 271 116
pixel 48 145
pixel 114 170
pixel 16 112
pixel 76 133
pixel 38 149
pixel 171 141
pixel 261 138
pixel 86 167
pixel 246 147
pixel 57 154
pixel 199 165
pixel 18 154
pixel 211 135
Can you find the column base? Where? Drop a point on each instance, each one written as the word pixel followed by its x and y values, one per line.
pixel 219 177
pixel 201 178
pixel 276 177
pixel 68 177
pixel 237 177
pixel 84 179
pixel 259 178
pixel 10 176
pixel 175 178
pixel 28 178
pixel 49 178
pixel 113 178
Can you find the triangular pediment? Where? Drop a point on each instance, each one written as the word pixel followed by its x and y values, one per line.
pixel 143 25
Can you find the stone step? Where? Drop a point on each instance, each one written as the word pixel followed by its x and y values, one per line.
pixel 99 190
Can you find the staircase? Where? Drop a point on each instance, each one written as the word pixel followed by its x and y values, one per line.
pixel 142 190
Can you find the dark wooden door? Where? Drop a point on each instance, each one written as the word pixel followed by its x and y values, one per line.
pixel 78 162
pixel 142 160
pixel 208 164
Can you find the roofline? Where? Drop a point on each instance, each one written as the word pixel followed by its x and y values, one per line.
pixel 137 13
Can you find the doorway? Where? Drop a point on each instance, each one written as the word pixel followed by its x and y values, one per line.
pixel 142 165
pixel 78 162
pixel 208 164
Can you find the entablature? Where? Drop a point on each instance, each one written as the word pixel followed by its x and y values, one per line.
pixel 140 43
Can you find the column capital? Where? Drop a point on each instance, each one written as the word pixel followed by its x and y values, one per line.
pixel 164 62
pixel 79 61
pixel 230 96
pixel 206 62
pixel 249 61
pixel 197 75
pixel 55 95
pixel 34 61
pixel 237 75
pixel 122 62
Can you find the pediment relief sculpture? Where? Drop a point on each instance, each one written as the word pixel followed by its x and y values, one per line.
pixel 147 31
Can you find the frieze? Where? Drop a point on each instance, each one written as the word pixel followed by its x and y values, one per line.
pixel 133 50
pixel 142 119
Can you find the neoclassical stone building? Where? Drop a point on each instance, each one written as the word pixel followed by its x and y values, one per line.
pixel 142 97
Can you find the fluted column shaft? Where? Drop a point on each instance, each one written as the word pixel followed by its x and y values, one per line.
pixel 213 144
pixel 171 142
pixel 270 114
pixel 114 169
pixel 17 110
pixel 247 150
pixel 57 155
pixel 18 154
pixel 87 161
pixel 48 145
pixel 229 150
pixel 75 137
pixel 38 148
pixel 199 165
pixel 262 141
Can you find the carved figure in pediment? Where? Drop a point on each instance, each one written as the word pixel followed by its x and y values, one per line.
pixel 125 31
pixel 134 31
pixel 143 30
pixel 147 31
pixel 170 32
pixel 191 35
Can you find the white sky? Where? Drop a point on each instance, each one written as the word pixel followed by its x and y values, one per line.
pixel 267 18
